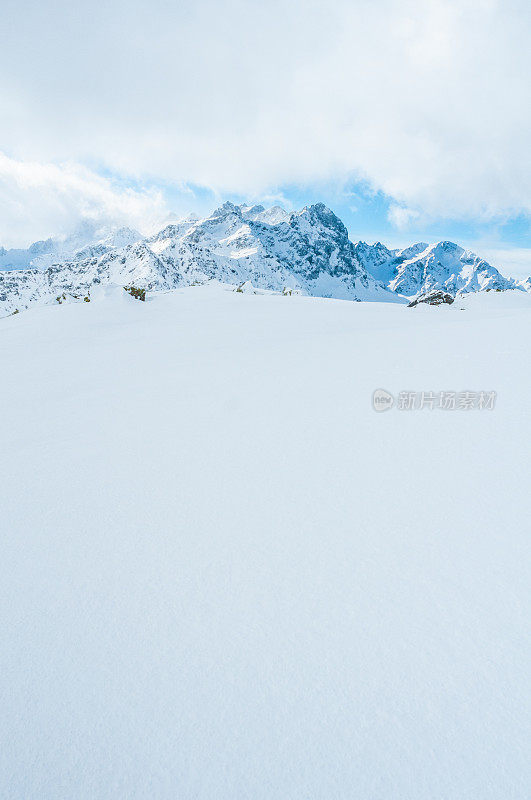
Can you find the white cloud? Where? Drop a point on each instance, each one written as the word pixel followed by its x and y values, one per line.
pixel 426 101
pixel 40 199
pixel 514 261
pixel 402 217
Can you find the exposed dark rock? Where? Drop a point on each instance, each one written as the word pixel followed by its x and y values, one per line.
pixel 136 292
pixel 434 298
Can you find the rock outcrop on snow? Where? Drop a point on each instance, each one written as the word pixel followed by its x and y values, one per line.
pixel 433 298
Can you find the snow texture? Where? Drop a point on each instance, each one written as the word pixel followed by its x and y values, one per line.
pixel 225 576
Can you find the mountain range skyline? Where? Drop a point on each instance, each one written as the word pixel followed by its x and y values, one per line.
pixel 87 232
pixel 308 251
pixel 366 214
pixel 410 120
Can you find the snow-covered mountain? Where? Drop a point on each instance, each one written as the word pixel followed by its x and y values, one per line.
pixel 307 250
pixel 447 266
pixel 422 268
pixel 89 238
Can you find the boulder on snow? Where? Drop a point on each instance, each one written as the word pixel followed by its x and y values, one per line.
pixel 137 292
pixel 69 297
pixel 245 288
pixel 433 298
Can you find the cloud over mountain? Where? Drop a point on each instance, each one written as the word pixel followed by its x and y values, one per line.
pixel 428 102
pixel 47 197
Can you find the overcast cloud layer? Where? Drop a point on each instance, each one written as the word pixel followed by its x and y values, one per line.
pixel 427 101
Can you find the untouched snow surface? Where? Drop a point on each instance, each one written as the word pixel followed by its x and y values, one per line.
pixel 225 576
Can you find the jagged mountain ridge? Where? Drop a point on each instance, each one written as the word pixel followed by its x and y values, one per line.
pixel 422 268
pixel 450 267
pixel 308 250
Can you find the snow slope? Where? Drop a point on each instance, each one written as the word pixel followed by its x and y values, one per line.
pixel 225 576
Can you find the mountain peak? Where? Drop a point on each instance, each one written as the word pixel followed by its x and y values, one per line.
pixel 225 209
pixel 319 213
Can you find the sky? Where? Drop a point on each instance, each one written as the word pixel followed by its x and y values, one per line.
pixel 410 119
